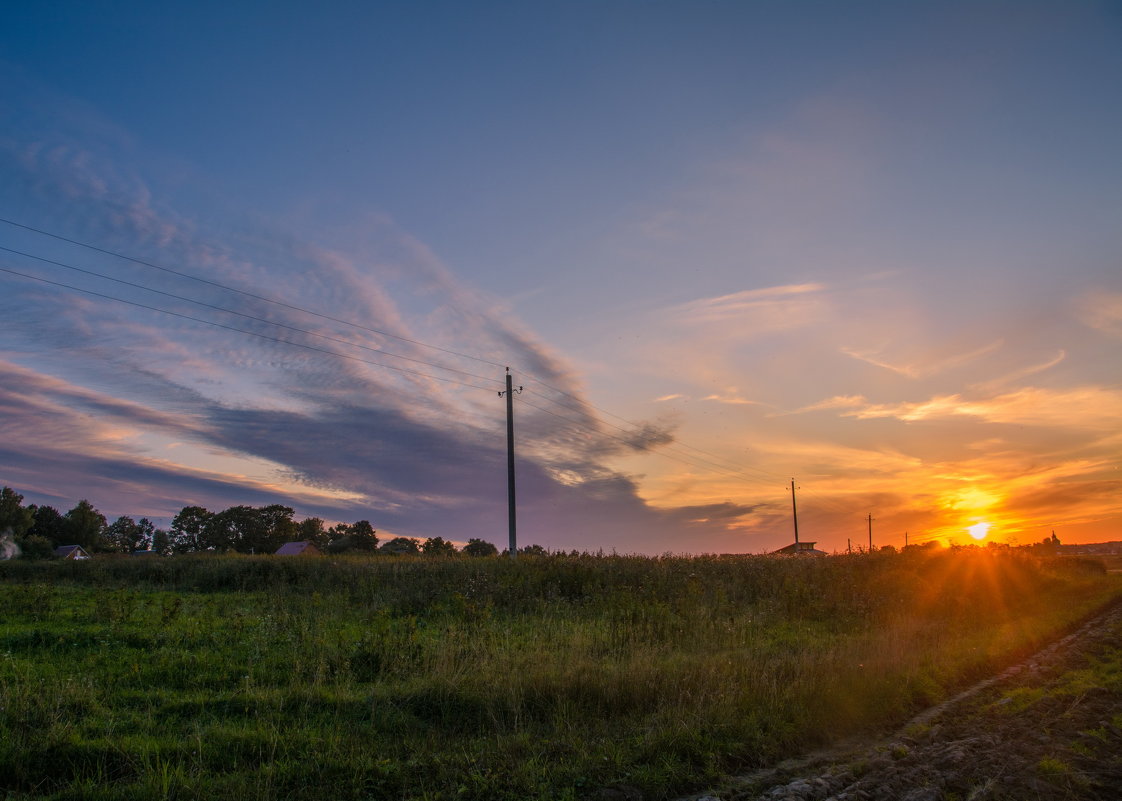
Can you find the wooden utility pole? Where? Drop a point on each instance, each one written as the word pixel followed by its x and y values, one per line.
pixel 870 533
pixel 794 512
pixel 512 523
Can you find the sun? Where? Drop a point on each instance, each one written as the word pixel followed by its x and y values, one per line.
pixel 979 530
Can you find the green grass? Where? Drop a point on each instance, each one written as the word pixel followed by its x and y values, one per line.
pixel 545 677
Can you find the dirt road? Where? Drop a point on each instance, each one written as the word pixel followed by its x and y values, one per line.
pixel 1049 728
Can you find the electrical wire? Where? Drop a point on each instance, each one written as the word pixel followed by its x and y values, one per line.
pixel 585 425
pixel 262 298
pixel 241 330
pixel 582 404
pixel 247 316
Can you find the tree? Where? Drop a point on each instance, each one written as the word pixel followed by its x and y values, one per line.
pixel 49 524
pixel 312 530
pixel 121 533
pixel 478 547
pixel 35 547
pixel 85 526
pixel 188 528
pixel 146 535
pixel 127 535
pixel 239 528
pixel 13 516
pixel 161 542
pixel 362 536
pixel 278 527
pixel 400 546
pixel 532 550
pixel 438 546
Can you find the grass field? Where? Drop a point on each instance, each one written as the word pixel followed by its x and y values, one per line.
pixel 540 678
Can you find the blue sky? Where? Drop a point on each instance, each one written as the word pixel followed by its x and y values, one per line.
pixel 875 246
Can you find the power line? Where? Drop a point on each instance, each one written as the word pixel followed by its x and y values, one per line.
pixel 663 454
pixel 246 316
pixel 583 405
pixel 240 330
pixel 262 298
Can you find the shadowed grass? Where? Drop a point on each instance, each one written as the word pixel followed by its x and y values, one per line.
pixel 544 677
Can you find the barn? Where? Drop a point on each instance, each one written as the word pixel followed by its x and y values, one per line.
pixel 302 548
pixel 75 552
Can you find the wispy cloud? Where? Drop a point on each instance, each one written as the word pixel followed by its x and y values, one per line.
pixel 1102 311
pixel 732 397
pixel 1080 407
pixel 1017 375
pixel 836 402
pixel 768 307
pixel 924 369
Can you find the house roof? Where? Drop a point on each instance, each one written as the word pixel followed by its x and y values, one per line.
pixel 302 548
pixel 801 549
pixel 71 552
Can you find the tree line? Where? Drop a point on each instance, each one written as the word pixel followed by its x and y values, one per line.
pixel 38 530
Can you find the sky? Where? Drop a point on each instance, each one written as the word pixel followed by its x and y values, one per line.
pixel 282 252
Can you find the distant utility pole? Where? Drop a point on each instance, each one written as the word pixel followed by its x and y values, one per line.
pixel 794 512
pixel 905 539
pixel 870 518
pixel 511 515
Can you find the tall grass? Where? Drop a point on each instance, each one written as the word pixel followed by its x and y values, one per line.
pixel 543 677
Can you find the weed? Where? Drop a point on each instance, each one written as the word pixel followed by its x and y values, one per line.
pixel 545 678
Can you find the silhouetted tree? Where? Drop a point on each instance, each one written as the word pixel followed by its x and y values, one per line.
pixel 312 530
pixel 478 547
pixel 362 536
pixel 49 524
pixel 35 547
pixel 438 546
pixel 161 542
pixel 188 528
pixel 14 517
pixel 400 546
pixel 278 528
pixel 85 526
pixel 533 550
pixel 127 535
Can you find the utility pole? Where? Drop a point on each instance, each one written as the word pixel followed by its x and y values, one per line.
pixel 870 518
pixel 905 539
pixel 794 512
pixel 511 515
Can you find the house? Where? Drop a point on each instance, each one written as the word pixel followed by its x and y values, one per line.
pixel 75 552
pixel 799 549
pixel 303 548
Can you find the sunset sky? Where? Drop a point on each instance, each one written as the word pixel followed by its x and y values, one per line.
pixel 874 247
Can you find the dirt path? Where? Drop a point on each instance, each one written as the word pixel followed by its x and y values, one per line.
pixel 1049 728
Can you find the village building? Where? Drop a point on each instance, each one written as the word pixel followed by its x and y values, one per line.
pixel 799 549
pixel 302 548
pixel 75 552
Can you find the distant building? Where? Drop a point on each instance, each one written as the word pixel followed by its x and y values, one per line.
pixel 799 549
pixel 303 548
pixel 75 552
